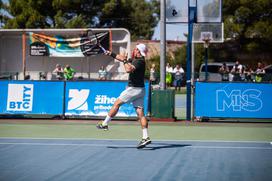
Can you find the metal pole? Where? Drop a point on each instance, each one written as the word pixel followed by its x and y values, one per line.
pixel 188 74
pixel 191 20
pixel 193 77
pixel 162 46
pixel 206 63
pixel 24 54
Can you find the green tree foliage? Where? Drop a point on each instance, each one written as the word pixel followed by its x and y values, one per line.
pixel 140 16
pixel 137 16
pixel 249 22
pixel 51 13
pixel 180 56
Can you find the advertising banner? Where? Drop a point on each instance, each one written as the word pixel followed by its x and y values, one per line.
pixel 96 98
pixel 59 46
pixel 233 100
pixel 31 97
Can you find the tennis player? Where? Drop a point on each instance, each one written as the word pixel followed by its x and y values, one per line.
pixel 135 91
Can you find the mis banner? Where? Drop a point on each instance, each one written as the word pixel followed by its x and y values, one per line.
pixel 233 100
pixel 96 98
pixel 31 97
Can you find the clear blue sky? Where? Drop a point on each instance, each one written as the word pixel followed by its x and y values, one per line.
pixel 173 32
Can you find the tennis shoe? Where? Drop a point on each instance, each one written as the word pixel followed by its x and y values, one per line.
pixel 100 126
pixel 143 143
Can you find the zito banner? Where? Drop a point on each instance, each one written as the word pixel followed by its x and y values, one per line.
pixel 58 46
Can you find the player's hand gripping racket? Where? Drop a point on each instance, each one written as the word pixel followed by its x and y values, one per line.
pixel 93 41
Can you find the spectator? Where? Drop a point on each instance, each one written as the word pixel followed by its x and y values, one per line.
pixel 224 71
pixel 58 72
pixel 169 71
pixel 27 77
pixel 102 73
pixel 236 71
pixel 248 74
pixel 243 74
pixel 69 73
pixel 42 75
pixel 152 76
pixel 259 72
pixel 178 74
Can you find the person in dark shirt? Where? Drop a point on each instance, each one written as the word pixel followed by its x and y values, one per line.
pixel 135 91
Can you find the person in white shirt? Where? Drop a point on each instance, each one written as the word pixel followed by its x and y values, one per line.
pixel 236 71
pixel 58 72
pixel 178 75
pixel 152 76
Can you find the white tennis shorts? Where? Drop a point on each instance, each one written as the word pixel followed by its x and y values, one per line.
pixel 134 95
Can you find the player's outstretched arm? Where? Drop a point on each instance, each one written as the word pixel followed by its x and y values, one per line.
pixel 119 57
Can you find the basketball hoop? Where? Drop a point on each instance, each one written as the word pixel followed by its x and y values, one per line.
pixel 206 38
pixel 206 42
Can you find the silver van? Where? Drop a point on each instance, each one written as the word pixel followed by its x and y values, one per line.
pixel 213 71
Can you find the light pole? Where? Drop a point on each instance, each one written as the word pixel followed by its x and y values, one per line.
pixel 206 39
pixel 162 46
pixel 191 21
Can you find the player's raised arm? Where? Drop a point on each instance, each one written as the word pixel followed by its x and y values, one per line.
pixel 119 57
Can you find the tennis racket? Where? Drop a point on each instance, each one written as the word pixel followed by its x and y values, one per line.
pixel 92 42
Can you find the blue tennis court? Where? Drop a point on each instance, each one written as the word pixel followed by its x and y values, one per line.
pixel 90 159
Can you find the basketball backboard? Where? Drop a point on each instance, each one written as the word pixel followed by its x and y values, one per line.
pixel 176 11
pixel 212 31
pixel 208 11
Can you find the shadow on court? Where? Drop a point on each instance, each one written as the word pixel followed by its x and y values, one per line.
pixel 153 146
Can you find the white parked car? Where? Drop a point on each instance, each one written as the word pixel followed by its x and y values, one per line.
pixel 213 71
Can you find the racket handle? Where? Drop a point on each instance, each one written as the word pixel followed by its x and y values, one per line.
pixel 103 49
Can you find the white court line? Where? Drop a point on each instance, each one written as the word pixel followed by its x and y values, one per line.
pixel 162 140
pixel 233 147
pixel 63 144
pixel 120 146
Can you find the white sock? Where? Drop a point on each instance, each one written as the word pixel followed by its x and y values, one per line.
pixel 145 133
pixel 106 121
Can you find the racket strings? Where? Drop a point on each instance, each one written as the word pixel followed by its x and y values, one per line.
pixel 94 41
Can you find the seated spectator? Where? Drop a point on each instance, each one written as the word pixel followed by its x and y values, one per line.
pixel 178 75
pixel 259 72
pixel 58 72
pixel 42 76
pixel 224 71
pixel 102 73
pixel 69 73
pixel 27 77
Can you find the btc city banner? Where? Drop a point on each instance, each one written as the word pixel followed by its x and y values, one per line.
pixel 31 97
pixel 233 100
pixel 59 46
pixel 96 98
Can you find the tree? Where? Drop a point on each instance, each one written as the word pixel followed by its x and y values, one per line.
pixel 140 16
pixel 137 16
pixel 50 13
pixel 249 22
pixel 180 56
